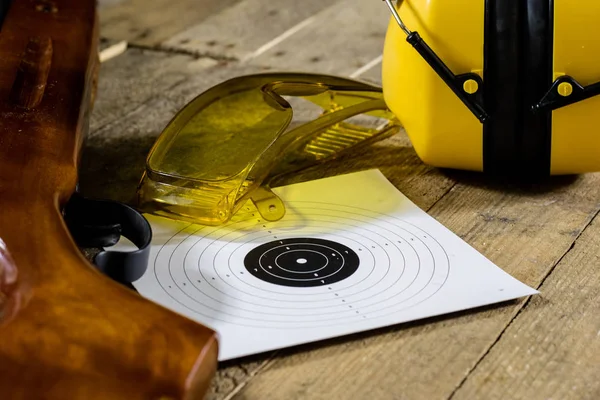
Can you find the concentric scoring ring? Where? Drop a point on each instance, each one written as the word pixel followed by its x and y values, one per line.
pixel 302 262
pixel 400 266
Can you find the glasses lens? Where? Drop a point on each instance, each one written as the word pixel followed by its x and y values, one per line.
pixel 206 157
pixel 220 140
pixel 221 147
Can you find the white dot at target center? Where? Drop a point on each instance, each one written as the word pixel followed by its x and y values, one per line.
pixel 301 261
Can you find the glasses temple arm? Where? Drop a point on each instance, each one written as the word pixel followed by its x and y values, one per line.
pixel 306 131
pixel 295 139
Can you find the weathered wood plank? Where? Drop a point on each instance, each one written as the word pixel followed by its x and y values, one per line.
pixel 525 231
pixel 128 117
pixel 341 39
pixel 124 132
pixel 139 93
pixel 125 84
pixel 371 72
pixel 396 158
pixel 242 30
pixel 114 156
pixel 552 349
pixel 128 80
pixel 149 22
pixel 231 376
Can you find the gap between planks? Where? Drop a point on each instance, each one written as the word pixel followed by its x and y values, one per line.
pixel 222 36
pixel 119 48
pixel 523 308
pixel 269 361
pixel 240 386
pixel 180 51
pixel 300 27
pixel 453 212
pixel 122 46
pixel 323 12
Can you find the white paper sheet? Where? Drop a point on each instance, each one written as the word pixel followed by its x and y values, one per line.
pixel 351 254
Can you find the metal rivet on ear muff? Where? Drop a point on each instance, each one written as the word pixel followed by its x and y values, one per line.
pixel 565 89
pixel 471 86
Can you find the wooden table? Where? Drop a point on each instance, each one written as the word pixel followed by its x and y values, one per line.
pixel 547 235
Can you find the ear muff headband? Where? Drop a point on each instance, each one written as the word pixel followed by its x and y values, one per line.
pixel 518 62
pixel 536 78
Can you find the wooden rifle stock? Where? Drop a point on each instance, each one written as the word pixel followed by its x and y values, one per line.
pixel 66 330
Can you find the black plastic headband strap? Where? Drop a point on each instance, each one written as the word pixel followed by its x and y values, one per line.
pixel 517 71
pixel 502 91
pixel 455 82
pixel 101 223
pixel 536 75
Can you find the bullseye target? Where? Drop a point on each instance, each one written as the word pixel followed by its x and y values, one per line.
pixel 302 262
pixel 323 265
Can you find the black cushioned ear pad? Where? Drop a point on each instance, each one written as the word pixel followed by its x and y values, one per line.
pixel 517 73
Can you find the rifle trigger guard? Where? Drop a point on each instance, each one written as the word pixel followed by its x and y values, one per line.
pixel 101 223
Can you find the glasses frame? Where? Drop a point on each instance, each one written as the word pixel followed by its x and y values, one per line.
pixel 274 86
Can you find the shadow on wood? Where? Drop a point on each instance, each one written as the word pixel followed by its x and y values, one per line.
pixel 511 185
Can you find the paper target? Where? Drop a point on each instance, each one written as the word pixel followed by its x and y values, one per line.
pixel 351 254
pixel 323 265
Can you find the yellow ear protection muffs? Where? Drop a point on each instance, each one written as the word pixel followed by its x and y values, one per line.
pixel 501 86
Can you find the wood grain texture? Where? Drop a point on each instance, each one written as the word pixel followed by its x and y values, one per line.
pixel 149 22
pixel 137 76
pixel 32 75
pixel 340 39
pixel 525 230
pixel 80 335
pixel 241 30
pixel 373 73
pixel 113 158
pixel 552 349
pixel 114 155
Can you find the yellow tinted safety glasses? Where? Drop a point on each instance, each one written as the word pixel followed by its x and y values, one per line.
pixel 226 145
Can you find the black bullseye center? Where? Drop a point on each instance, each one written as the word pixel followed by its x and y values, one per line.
pixel 301 262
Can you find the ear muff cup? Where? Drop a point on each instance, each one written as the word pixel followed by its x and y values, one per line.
pixel 517 73
pixel 507 87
